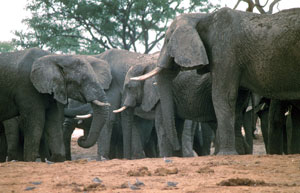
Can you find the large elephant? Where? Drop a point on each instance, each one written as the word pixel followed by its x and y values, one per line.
pixel 35 85
pixel 192 98
pixel 240 49
pixel 113 134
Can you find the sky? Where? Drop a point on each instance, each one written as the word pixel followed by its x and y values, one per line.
pixel 13 11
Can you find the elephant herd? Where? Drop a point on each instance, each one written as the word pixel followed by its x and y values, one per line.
pixel 198 90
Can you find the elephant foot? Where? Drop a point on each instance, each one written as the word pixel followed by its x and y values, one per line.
pixel 30 158
pixel 227 152
pixel 58 158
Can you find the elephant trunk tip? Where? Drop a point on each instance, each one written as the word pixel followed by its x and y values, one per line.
pixel 84 143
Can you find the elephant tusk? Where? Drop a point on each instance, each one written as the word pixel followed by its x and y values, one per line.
pixel 99 103
pixel 83 116
pixel 148 75
pixel 120 109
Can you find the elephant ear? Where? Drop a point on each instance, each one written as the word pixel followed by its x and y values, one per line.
pixel 187 48
pixel 150 96
pixel 102 70
pixel 48 78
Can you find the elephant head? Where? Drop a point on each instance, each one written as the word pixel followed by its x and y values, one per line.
pixel 71 76
pixel 141 94
pixel 182 46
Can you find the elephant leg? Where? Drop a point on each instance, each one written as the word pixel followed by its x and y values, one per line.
pixel 34 125
pixel 54 132
pixel 15 138
pixel 294 131
pixel 198 139
pixel 188 138
pixel 164 145
pixel 3 144
pixel 249 126
pixel 275 129
pixel 68 129
pixel 151 145
pixel 239 138
pixel 207 135
pixel 224 96
pixel 263 116
pixel 179 127
pixel 116 143
pixel 104 141
pixel 44 149
pixel 137 147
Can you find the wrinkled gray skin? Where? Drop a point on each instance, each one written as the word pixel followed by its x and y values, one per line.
pixel 193 101
pixel 197 137
pixel 35 85
pixel 14 134
pixel 113 133
pixel 258 52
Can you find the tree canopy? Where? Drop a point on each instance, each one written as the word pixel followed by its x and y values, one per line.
pixel 6 46
pixel 92 26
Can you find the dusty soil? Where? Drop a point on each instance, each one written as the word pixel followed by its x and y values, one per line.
pixel 250 173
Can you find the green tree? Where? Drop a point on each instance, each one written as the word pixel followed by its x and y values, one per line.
pixel 7 46
pixel 92 26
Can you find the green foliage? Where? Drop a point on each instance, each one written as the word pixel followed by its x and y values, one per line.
pixel 7 47
pixel 92 26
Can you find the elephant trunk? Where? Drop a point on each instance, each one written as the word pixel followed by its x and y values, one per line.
pixel 127 124
pixel 100 115
pixel 164 81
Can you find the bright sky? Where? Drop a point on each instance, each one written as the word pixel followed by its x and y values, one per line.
pixel 13 11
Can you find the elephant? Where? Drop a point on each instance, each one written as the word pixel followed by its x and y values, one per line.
pixel 114 141
pixel 239 49
pixel 36 84
pixel 193 101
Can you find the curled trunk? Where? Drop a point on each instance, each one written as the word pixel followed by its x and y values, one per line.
pixel 100 115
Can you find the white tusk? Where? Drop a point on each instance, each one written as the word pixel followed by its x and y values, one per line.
pixel 99 103
pixel 83 116
pixel 120 109
pixel 148 75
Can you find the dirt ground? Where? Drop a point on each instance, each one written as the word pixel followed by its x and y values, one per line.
pixel 250 173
